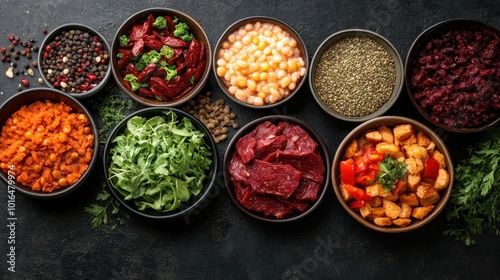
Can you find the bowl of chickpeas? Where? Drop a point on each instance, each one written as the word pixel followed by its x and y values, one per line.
pixel 49 143
pixel 392 174
pixel 260 62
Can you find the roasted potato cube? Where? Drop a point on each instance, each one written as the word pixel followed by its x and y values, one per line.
pixel 392 210
pixel 377 212
pixel 427 195
pixel 376 201
pixel 414 165
pixel 407 141
pixel 376 190
pixel 413 181
pixel 362 141
pixel 405 210
pixel 402 222
pixel 442 180
pixel 344 192
pixel 422 139
pixel 392 197
pixel 386 133
pixel 383 221
pixel 365 211
pixel 409 198
pixel 421 212
pixel 387 148
pixel 437 155
pixel 430 148
pixel 416 151
pixel 403 131
pixel 351 149
pixel 373 137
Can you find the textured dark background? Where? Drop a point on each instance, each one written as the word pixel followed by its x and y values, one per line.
pixel 54 239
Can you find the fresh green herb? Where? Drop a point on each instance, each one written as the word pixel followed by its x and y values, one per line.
pixel 191 80
pixel 123 40
pixel 133 82
pixel 99 212
pixel 390 170
pixel 159 162
pixel 473 207
pixel 182 31
pixel 160 22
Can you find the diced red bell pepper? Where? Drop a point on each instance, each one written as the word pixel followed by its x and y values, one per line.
pixel 368 175
pixel 347 171
pixel 357 204
pixel 431 169
pixel 400 187
pixel 371 155
pixel 357 193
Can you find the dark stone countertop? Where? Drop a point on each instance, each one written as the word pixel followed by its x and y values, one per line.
pixel 54 239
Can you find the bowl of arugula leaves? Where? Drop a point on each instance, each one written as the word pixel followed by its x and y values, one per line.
pixel 392 174
pixel 160 163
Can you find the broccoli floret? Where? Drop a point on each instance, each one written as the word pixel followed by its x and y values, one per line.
pixel 123 40
pixel 167 52
pixel 160 22
pixel 182 31
pixel 170 68
pixel 133 82
pixel 146 58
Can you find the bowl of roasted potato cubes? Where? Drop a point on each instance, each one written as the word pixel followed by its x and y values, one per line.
pixel 392 174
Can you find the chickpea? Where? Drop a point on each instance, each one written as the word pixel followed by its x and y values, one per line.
pixel 37 168
pixel 62 182
pixel 56 174
pixel 87 130
pixel 52 157
pixel 74 155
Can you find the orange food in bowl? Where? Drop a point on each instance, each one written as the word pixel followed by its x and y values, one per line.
pixel 46 145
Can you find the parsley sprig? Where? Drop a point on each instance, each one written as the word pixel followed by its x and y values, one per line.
pixel 99 212
pixel 390 170
pixel 473 207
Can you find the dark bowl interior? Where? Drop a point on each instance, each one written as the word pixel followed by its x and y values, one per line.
pixel 422 40
pixel 51 36
pixel 185 208
pixel 198 33
pixel 234 27
pixel 333 39
pixel 391 121
pixel 30 96
pixel 322 148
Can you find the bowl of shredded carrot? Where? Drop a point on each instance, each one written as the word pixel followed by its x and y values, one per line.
pixel 48 143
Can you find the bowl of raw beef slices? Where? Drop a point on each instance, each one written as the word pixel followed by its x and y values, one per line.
pixel 276 169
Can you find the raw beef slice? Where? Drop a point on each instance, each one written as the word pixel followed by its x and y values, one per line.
pixel 267 205
pixel 298 139
pixel 276 179
pixel 245 147
pixel 307 190
pixel 266 146
pixel 311 165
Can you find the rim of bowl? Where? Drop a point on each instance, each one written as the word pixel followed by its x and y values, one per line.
pixel 50 37
pixel 252 19
pixel 422 38
pixel 41 94
pixel 388 46
pixel 275 119
pixel 198 199
pixel 193 24
pixel 392 121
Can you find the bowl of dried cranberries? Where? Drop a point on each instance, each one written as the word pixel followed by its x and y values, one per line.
pixel 161 57
pixel 277 169
pixel 453 75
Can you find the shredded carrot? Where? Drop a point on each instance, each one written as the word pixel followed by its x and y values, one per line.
pixel 49 145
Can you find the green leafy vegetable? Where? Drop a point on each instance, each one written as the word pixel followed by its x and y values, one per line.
pixel 473 207
pixel 153 56
pixel 159 162
pixel 390 171
pixel 160 22
pixel 99 212
pixel 123 40
pixel 182 31
pixel 133 82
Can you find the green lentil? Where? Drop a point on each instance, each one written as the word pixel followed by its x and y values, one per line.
pixel 355 76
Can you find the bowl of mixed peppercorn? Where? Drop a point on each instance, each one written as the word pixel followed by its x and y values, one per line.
pixel 161 57
pixel 74 59
pixel 356 75
pixel 392 174
pixel 453 75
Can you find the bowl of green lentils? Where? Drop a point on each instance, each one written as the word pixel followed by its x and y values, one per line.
pixel 356 75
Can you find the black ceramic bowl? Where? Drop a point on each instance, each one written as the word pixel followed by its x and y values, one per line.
pixel 321 150
pixel 194 202
pixel 29 96
pixel 198 33
pixel 422 41
pixel 339 36
pixel 102 62
pixel 300 45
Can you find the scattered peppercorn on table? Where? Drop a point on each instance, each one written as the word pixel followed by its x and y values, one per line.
pixel 54 239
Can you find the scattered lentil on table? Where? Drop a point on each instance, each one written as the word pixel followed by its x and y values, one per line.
pixel 75 61
pixel 355 76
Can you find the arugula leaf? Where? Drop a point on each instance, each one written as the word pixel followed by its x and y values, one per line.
pixel 390 170
pixel 473 207
pixel 159 162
